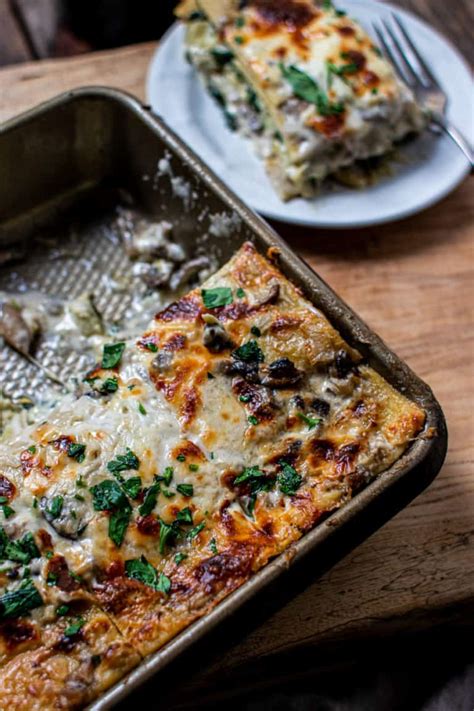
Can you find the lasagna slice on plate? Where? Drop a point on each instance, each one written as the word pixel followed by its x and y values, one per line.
pixel 305 83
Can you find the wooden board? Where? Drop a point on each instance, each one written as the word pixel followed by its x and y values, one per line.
pixel 413 282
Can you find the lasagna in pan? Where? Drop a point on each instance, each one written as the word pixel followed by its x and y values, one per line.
pixel 305 82
pixel 236 422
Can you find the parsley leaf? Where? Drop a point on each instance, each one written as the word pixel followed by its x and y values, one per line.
pixel 310 421
pixel 129 460
pixel 289 481
pixel 249 352
pixel 132 486
pixel 150 500
pixel 256 480
pixel 56 506
pixel 167 475
pixel 77 451
pixel 75 627
pixel 118 524
pixel 108 496
pixel 213 546
pixel 168 533
pixel 252 420
pixel 179 557
pixel 16 603
pixel 185 515
pixel 185 489
pixel 164 584
pixel 143 571
pixel 220 296
pixel 21 551
pixel 112 354
pixel 306 88
pixel 196 530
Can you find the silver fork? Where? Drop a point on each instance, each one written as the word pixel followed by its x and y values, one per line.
pixel 414 71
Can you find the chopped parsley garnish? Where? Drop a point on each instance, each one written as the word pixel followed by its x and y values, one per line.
pixel 151 347
pixel 169 494
pixel 306 88
pixel 118 524
pixel 62 610
pixel 149 502
pixel 185 516
pixel 222 55
pixel 194 467
pixel 257 481
pixel 112 354
pixel 79 497
pixel 75 627
pixel 252 420
pixel 132 486
pixel 240 293
pixel 20 601
pixel 108 496
pixel 196 530
pixel 143 571
pixel 106 386
pixel 239 39
pixel 310 421
pixel 213 546
pixel 20 551
pixel 376 50
pixel 141 409
pixel 8 512
pixel 220 296
pixel 179 557
pixel 244 398
pixel 168 533
pixel 240 22
pixel 186 489
pixel 181 458
pixel 51 579
pixel 164 584
pixel 167 475
pixel 56 506
pixel 109 385
pixel 77 451
pixel 80 482
pixel 249 352
pixel 289 481
pixel 255 331
pixel 129 460
pixel 32 449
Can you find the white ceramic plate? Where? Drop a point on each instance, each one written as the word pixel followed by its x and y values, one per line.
pixel 430 168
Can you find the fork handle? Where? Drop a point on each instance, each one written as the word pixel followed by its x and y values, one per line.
pixel 455 135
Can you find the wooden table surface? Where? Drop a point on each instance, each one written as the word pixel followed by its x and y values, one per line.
pixel 413 282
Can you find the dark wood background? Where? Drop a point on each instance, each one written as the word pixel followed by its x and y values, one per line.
pixel 36 29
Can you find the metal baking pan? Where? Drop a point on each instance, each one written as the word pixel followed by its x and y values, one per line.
pixel 57 161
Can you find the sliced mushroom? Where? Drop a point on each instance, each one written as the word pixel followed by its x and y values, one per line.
pixel 282 373
pixel 73 517
pixel 270 296
pixel 162 361
pixel 188 271
pixel 14 329
pixel 85 315
pixel 248 371
pixel 216 339
pixel 343 365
